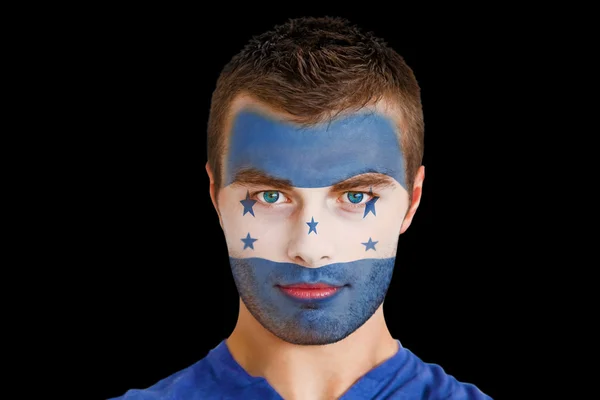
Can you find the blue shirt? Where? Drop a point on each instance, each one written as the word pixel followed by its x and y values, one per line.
pixel 218 376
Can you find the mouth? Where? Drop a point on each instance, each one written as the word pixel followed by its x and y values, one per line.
pixel 309 291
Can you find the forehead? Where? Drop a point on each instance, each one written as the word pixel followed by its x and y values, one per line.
pixel 314 156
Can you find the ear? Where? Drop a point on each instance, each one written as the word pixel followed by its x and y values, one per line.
pixel 416 199
pixel 212 192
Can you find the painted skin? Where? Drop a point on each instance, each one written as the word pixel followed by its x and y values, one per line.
pixel 308 226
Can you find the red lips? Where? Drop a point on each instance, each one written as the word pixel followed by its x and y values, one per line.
pixel 309 290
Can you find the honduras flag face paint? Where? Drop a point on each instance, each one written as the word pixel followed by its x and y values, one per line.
pixel 311 216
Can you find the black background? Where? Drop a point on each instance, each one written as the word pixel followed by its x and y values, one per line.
pixel 155 292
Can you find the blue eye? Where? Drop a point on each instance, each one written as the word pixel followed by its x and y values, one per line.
pixel 355 197
pixel 271 197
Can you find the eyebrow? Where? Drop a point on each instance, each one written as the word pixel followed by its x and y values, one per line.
pixel 256 177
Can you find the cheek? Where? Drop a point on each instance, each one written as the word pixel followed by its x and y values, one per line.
pixel 383 228
pixel 272 231
pixel 270 228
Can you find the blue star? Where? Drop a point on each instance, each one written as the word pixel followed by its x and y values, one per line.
pixel 248 203
pixel 249 242
pixel 312 225
pixel 370 205
pixel 370 245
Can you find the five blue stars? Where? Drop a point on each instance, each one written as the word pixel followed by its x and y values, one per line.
pixel 370 245
pixel 248 203
pixel 249 242
pixel 370 205
pixel 312 225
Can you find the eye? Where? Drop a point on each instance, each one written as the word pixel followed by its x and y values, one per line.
pixel 355 197
pixel 271 197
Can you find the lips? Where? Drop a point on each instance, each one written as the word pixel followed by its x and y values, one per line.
pixel 309 291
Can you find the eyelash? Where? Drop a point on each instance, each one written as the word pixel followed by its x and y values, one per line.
pixel 353 205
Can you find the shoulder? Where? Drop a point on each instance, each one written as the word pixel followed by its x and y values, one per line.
pixel 194 382
pixel 422 380
pixel 441 385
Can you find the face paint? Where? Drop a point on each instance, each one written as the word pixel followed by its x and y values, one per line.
pixel 363 285
pixel 299 209
pixel 317 156
pixel 248 203
pixel 370 205
pixel 312 225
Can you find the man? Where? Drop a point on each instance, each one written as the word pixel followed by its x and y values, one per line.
pixel 315 144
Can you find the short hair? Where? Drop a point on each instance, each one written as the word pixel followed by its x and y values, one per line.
pixel 314 68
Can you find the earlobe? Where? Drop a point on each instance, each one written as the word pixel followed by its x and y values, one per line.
pixel 416 199
pixel 210 174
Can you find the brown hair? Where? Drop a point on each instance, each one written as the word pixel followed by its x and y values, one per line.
pixel 313 69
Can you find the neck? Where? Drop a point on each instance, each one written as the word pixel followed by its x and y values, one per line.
pixel 310 372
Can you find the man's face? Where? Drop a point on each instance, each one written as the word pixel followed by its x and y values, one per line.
pixel 312 217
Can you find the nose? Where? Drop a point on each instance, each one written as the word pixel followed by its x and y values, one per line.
pixel 311 242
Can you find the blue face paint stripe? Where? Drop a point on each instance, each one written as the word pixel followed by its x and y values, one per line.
pixel 364 284
pixel 317 156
